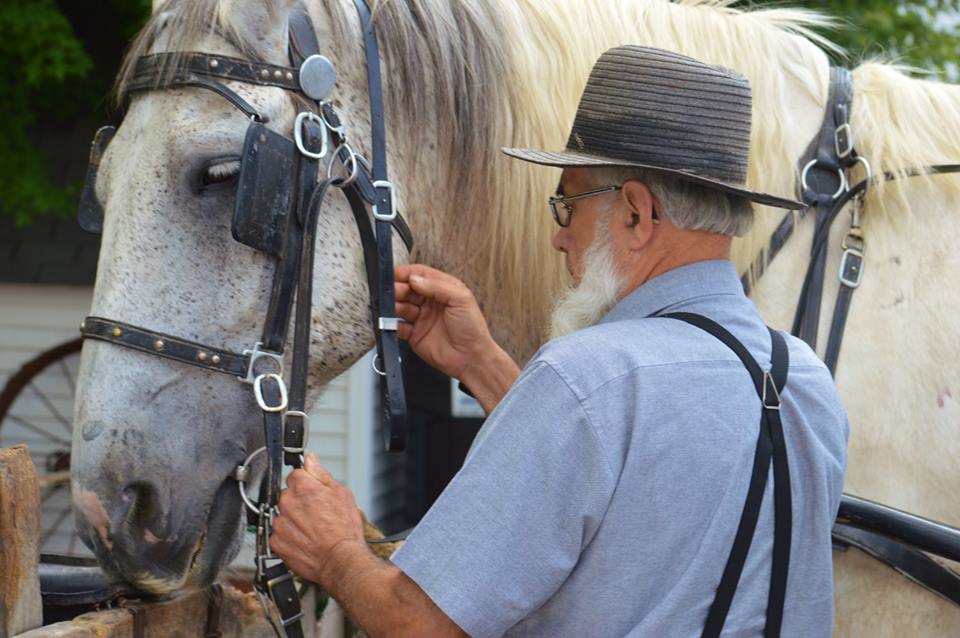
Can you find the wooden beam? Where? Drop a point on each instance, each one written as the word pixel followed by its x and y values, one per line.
pixel 185 616
pixel 20 605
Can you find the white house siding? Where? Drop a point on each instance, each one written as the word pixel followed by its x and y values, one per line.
pixel 343 433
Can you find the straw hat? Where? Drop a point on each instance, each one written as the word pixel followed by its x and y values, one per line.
pixel 665 112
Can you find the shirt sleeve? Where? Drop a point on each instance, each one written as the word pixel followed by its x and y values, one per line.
pixel 509 528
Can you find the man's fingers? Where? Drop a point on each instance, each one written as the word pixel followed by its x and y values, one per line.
pixel 403 292
pixel 312 466
pixel 405 331
pixel 407 311
pixel 451 293
pixel 404 272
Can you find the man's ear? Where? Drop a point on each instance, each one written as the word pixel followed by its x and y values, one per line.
pixel 639 214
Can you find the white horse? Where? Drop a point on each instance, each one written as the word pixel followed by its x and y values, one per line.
pixel 157 441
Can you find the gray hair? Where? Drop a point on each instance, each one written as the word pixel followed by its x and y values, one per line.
pixel 686 204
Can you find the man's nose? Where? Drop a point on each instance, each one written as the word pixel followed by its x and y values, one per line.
pixel 560 240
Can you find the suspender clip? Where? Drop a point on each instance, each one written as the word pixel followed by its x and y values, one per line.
pixel 771 396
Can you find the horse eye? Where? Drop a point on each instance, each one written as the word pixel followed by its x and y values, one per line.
pixel 222 172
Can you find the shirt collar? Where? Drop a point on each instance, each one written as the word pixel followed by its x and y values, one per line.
pixel 714 277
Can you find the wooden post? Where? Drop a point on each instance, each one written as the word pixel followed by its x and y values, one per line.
pixel 20 605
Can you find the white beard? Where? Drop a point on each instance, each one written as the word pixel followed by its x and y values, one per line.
pixel 599 290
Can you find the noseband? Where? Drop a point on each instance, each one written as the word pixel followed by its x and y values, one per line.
pixel 281 188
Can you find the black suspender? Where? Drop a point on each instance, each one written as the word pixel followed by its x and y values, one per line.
pixel 770 446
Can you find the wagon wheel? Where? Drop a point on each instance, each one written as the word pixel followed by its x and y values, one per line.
pixel 36 408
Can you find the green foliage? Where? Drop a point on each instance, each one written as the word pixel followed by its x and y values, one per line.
pixel 922 34
pixel 49 77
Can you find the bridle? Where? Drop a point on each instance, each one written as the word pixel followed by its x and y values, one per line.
pixel 283 223
pixel 893 537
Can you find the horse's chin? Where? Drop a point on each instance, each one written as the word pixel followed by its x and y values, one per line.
pixel 161 570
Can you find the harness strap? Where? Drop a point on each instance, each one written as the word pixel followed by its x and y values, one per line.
pixel 770 446
pixel 908 561
pixel 824 182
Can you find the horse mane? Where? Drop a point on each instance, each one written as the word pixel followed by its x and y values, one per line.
pixel 488 74
pixel 509 73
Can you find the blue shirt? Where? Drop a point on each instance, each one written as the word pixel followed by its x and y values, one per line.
pixel 602 496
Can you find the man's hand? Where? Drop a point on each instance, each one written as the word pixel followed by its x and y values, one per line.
pixel 445 327
pixel 318 520
pixel 319 535
pixel 444 324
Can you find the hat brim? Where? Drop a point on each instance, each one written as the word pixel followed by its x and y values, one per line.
pixel 568 159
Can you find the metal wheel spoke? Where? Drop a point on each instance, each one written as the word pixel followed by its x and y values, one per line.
pixel 68 376
pixel 23 423
pixel 68 426
pixel 50 492
pixel 48 533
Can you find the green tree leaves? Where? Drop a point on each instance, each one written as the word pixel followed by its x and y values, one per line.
pixel 52 75
pixel 924 34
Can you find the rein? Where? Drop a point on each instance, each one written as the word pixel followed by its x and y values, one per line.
pixel 280 194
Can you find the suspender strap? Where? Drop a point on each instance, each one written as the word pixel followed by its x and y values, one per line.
pixel 770 446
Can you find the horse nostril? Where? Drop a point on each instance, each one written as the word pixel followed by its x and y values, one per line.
pixel 137 507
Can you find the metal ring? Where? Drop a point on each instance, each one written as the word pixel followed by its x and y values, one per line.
pixel 840 174
pixel 373 362
pixel 868 170
pixel 351 160
pixel 241 477
pixel 258 392
pixel 298 134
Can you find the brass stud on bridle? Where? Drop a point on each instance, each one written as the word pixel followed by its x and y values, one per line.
pixel 215 359
pixel 214 64
pixel 201 356
pixel 158 344
pixel 116 332
pixel 265 74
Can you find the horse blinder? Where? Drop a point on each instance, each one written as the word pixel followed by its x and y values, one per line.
pixel 90 211
pixel 265 190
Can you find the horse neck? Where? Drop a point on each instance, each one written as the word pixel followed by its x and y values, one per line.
pixel 495 233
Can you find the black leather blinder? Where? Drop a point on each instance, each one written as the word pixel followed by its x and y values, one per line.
pixel 265 190
pixel 90 211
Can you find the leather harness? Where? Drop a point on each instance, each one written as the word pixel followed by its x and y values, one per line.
pixel 286 229
pixel 893 537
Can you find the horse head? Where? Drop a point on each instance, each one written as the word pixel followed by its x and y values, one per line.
pixel 157 441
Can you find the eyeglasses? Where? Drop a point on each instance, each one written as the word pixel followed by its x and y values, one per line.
pixel 562 211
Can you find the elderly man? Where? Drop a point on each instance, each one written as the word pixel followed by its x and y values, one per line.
pixel 662 453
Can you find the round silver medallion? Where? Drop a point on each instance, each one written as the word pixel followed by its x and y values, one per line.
pixel 317 77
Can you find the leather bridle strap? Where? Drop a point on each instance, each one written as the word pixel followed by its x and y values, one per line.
pixel 771 446
pixel 823 180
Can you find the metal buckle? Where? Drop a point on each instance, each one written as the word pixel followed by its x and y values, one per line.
pixel 339 130
pixel 840 174
pixel 392 215
pixel 768 383
pixel 258 392
pixel 389 323
pixel 843 140
pixel 298 134
pixel 351 160
pixel 255 355
pixel 306 431
pixel 848 252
